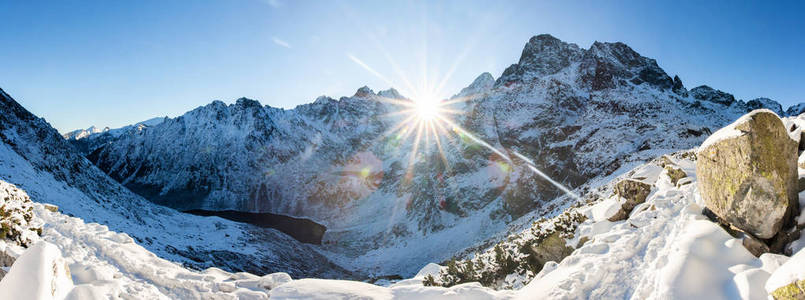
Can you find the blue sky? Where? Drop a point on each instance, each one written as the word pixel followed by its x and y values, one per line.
pixel 112 63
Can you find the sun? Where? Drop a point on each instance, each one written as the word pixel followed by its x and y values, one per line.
pixel 427 108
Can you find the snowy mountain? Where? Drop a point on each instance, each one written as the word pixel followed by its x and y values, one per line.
pixel 83 133
pixel 576 114
pixel 34 157
pixel 91 138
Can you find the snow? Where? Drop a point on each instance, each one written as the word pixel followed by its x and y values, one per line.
pixel 666 250
pixel 39 273
pixel 729 131
pixel 341 289
pixel 791 271
pixel 605 209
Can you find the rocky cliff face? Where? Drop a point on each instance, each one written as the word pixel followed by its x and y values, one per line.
pixel 577 113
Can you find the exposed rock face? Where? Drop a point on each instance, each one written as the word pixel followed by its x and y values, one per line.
pixel 678 87
pixel 635 192
pixel 767 103
pixel 706 93
pixel 747 174
pixel 795 110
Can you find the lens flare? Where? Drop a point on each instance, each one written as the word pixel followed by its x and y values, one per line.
pixel 426 109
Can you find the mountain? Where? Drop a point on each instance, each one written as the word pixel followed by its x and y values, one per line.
pixel 34 157
pixel 575 114
pixel 91 138
pixel 83 133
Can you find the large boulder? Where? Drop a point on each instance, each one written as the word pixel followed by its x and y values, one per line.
pixel 747 174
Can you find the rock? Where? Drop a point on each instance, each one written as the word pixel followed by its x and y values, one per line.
pixel 801 184
pixel 51 207
pixel 747 174
pixel 795 110
pixel 664 161
pixel 675 173
pixel 678 87
pixel 634 192
pixel 755 246
pixel 801 142
pixel 765 103
pixel 706 93
pixel 793 291
pixel 552 248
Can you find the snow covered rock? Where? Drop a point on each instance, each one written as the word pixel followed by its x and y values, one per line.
pixel 674 173
pixel 634 192
pixel 747 174
pixel 706 93
pixel 795 110
pixel 788 281
pixel 39 273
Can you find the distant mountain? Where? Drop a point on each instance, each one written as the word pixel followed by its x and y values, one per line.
pixel 580 114
pixel 34 157
pixel 91 138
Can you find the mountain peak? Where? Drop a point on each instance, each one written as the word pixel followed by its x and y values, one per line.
pixel 482 83
pixel 246 102
pixel 706 93
pixel 364 92
pixel 391 93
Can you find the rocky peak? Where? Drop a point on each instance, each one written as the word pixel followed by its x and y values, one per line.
pixel 795 110
pixel 323 100
pixel 542 55
pixel 364 92
pixel 678 87
pixel 482 83
pixel 391 93
pixel 247 103
pixel 706 93
pixel 607 65
pixel 765 103
pixel 616 52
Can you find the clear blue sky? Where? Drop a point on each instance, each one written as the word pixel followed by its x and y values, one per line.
pixel 112 63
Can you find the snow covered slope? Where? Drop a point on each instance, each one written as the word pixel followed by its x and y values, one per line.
pixel 579 114
pixel 77 260
pixel 35 157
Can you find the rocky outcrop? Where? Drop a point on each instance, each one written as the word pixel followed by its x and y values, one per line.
pixel 766 103
pixel 795 110
pixel 747 174
pixel 634 192
pixel 678 87
pixel 706 93
pixel 675 173
pixel 552 248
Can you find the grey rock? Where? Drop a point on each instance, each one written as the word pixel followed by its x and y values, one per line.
pixel 750 180
pixel 635 192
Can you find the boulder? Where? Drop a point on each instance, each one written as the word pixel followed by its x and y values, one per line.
pixel 747 174
pixel 633 192
pixel 552 248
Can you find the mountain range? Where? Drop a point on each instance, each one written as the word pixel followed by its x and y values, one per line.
pixel 575 115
